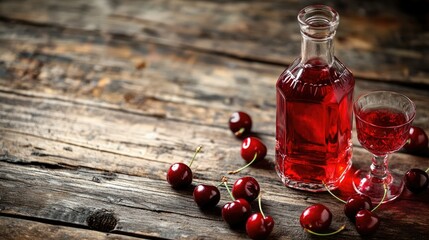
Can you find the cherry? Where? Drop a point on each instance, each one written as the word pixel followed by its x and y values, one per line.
pixel 417 141
pixel 179 175
pixel 206 196
pixel 416 180
pixel 252 150
pixel 355 203
pixel 240 123
pixel 235 213
pixel 366 222
pixel 316 218
pixel 259 226
pixel 252 146
pixel 246 188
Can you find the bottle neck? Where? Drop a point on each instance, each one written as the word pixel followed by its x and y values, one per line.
pixel 319 51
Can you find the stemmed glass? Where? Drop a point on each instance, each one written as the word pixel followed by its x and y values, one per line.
pixel 383 121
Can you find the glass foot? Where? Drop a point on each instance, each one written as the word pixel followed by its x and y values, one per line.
pixel 373 187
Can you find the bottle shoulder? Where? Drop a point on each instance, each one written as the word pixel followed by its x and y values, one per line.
pixel 313 73
pixel 305 80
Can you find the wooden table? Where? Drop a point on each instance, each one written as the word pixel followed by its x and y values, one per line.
pixel 99 98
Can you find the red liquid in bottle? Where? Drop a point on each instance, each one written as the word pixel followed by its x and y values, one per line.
pixel 314 124
pixel 382 130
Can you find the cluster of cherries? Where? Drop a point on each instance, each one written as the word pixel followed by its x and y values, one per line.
pixel 238 212
pixel 316 219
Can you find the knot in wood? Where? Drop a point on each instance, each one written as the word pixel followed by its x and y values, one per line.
pixel 102 220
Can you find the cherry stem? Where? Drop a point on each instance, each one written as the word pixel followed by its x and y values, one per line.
pixel 225 183
pixel 329 191
pixel 260 204
pixel 195 154
pixel 427 170
pixel 326 234
pixel 239 132
pixel 245 166
pixel 382 199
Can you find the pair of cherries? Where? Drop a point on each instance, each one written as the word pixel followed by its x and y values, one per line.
pixel 317 218
pixel 180 176
pixel 252 148
pixel 359 209
pixel 207 196
pixel 416 180
pixel 238 212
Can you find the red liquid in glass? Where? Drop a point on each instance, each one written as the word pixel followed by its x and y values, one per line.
pixel 382 130
pixel 314 124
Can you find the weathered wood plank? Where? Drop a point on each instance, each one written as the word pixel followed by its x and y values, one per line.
pixel 262 31
pixel 71 66
pixel 26 149
pixel 131 135
pixel 71 196
pixel 98 98
pixel 20 229
pixel 59 129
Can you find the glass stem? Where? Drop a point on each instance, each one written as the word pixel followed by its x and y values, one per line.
pixel 379 170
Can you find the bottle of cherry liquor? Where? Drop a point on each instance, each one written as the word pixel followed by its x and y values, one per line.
pixel 314 108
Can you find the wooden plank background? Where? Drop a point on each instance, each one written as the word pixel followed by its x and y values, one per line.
pixel 98 98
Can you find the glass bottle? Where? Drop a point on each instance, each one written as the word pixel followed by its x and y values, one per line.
pixel 314 108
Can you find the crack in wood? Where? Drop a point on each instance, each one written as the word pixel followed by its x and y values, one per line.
pixel 74 144
pixel 124 36
pixel 5 157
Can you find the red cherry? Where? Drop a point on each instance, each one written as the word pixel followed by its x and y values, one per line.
pixel 240 124
pixel 366 222
pixel 416 180
pixel 179 175
pixel 417 141
pixel 252 146
pixel 236 213
pixel 316 218
pixel 246 188
pixel 258 226
pixel 356 203
pixel 206 196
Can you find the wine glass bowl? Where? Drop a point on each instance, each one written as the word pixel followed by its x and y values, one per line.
pixel 383 120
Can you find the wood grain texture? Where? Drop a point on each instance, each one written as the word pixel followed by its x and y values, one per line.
pixel 73 66
pixel 71 196
pixel 376 40
pixel 158 141
pixel 98 99
pixel 69 145
pixel 21 229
